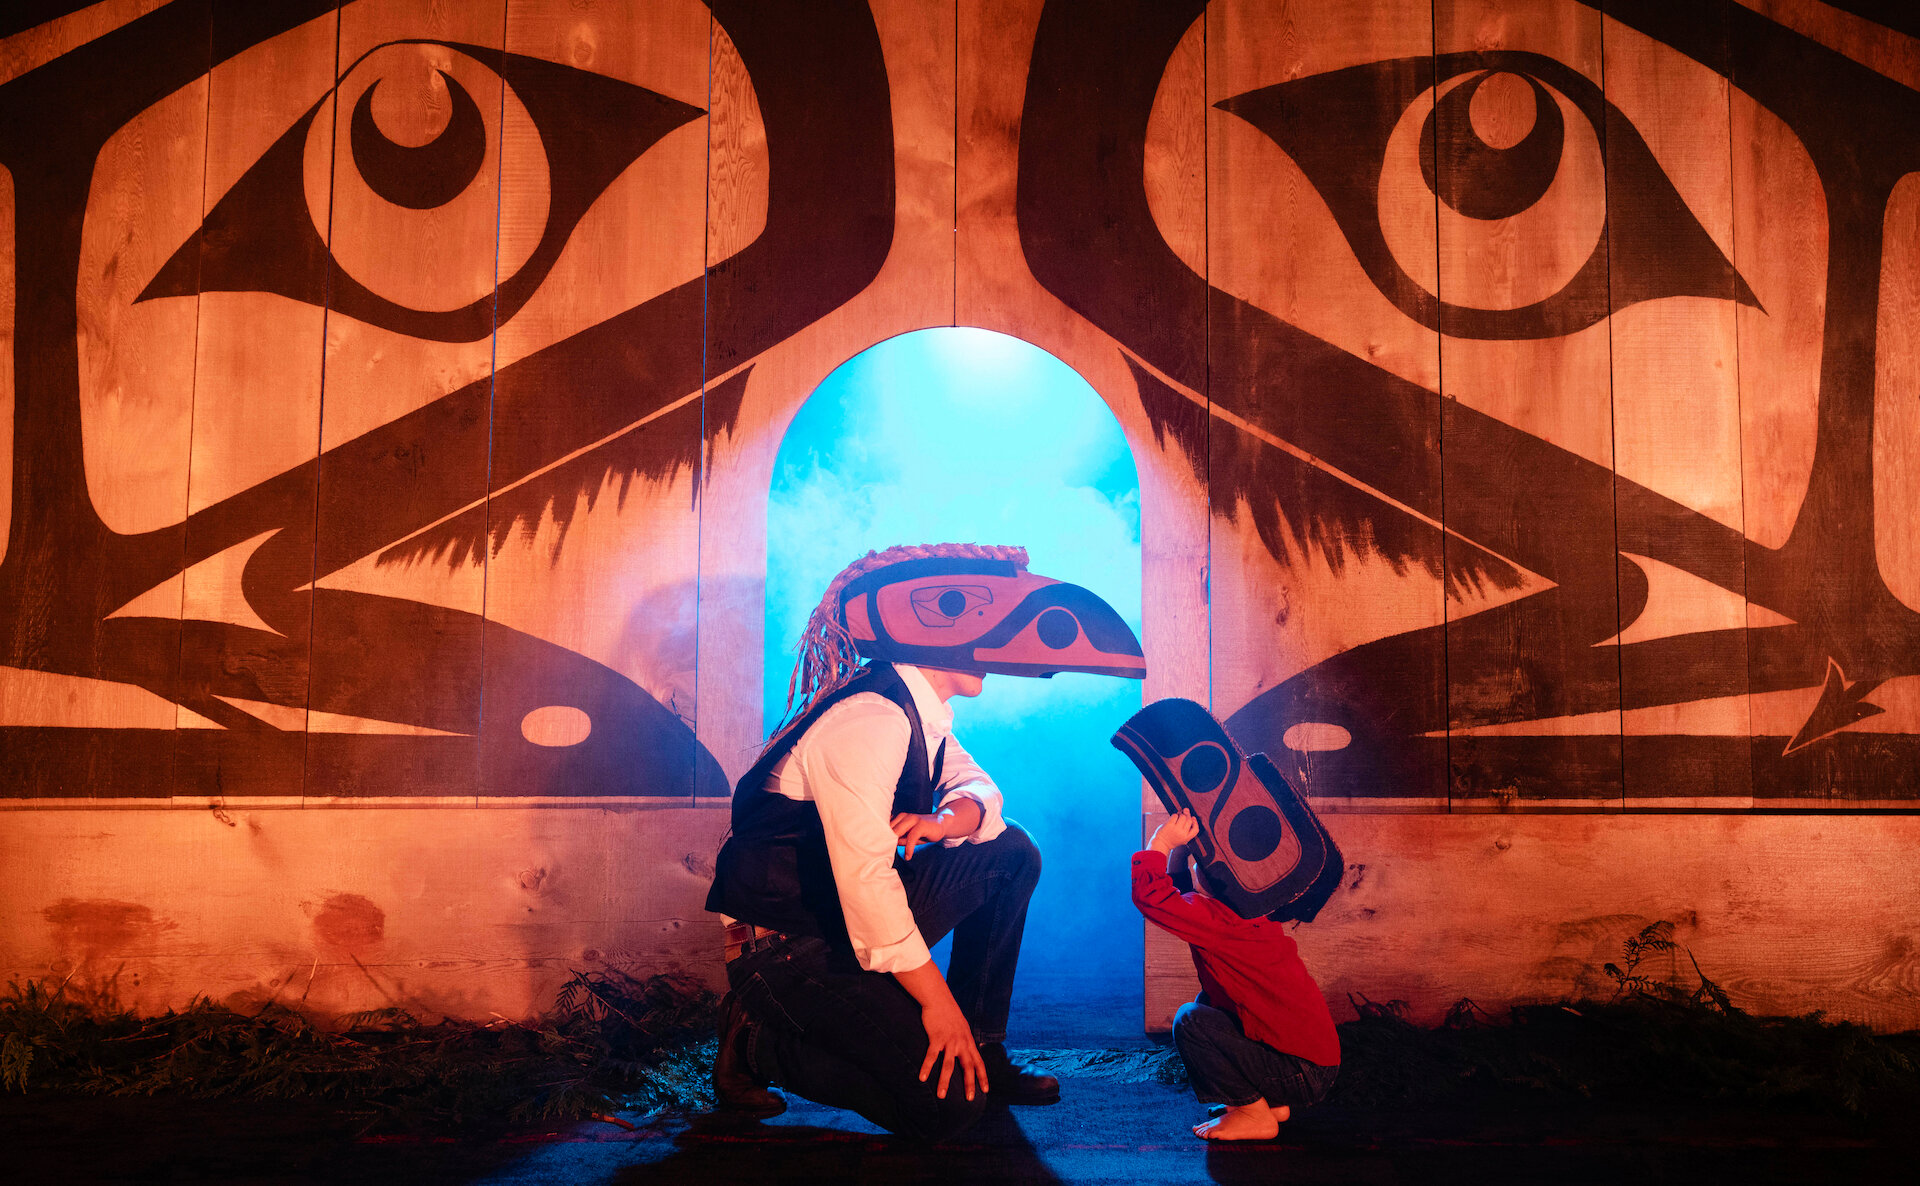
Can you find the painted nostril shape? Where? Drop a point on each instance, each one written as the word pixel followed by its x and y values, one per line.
pixel 1255 833
pixel 1314 736
pixel 1204 768
pixel 1058 628
pixel 556 725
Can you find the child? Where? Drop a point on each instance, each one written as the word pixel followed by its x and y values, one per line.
pixel 1259 1039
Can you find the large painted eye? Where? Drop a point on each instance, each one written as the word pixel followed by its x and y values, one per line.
pixel 408 147
pixel 945 605
pixel 1508 151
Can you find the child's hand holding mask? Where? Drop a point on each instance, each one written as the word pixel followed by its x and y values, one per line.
pixel 1176 831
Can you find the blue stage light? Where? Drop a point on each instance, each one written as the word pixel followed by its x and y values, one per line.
pixel 965 434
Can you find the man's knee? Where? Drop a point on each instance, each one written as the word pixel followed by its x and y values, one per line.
pixel 1020 854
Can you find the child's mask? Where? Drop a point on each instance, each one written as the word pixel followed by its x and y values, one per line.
pixel 1261 850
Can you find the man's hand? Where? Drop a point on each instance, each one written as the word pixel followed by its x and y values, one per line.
pixel 912 829
pixel 958 818
pixel 1176 831
pixel 949 1036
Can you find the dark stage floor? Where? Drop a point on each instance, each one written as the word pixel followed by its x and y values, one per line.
pixel 1116 1123
pixel 1105 1130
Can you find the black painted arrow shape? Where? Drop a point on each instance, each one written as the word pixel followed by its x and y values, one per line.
pixel 1841 704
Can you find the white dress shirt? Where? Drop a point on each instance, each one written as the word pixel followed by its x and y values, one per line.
pixel 847 765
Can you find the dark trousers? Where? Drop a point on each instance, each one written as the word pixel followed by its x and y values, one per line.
pixel 833 1033
pixel 1227 1067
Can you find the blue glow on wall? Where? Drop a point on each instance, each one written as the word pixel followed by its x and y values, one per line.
pixel 964 434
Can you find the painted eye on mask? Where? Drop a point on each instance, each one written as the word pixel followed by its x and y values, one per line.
pixel 1509 153
pixel 415 155
pixel 945 605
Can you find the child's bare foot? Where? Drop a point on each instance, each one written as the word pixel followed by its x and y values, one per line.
pixel 1249 1122
pixel 1280 1111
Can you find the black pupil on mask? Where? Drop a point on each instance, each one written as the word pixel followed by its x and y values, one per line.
pixel 1254 833
pixel 1474 177
pixel 431 175
pixel 1058 628
pixel 952 603
pixel 1204 768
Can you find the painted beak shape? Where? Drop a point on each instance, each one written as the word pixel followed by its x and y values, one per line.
pixel 986 616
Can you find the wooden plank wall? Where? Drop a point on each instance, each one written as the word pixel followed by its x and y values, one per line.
pixel 460 911
pixel 245 658
pixel 1522 393
pixel 358 908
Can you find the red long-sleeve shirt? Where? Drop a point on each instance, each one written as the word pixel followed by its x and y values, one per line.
pixel 1251 969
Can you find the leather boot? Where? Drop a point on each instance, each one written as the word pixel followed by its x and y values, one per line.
pixel 737 1090
pixel 1009 1082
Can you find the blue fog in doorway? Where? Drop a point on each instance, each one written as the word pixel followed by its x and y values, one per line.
pixel 964 434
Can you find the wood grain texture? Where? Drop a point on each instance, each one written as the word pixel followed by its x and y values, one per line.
pixel 881 265
pixel 7 298
pixel 250 337
pixel 136 357
pixel 997 290
pixel 1536 505
pixel 1873 45
pixel 737 165
pixel 1852 639
pixel 1158 179
pixel 1896 418
pixel 1781 231
pixel 458 911
pixel 485 910
pixel 1675 401
pixel 1527 908
pixel 1676 419
pixel 595 553
pixel 1328 592
pixel 1780 249
pixel 1540 497
pixel 41 44
pixel 102 388
pixel 1178 567
pixel 257 385
pixel 738 191
pixel 420 254
pixel 918 40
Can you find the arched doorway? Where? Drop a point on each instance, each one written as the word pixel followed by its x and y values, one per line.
pixel 965 434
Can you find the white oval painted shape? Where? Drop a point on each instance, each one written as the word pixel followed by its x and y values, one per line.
pixel 1313 736
pixel 556 725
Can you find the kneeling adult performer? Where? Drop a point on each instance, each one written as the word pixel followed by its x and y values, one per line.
pixel 833 994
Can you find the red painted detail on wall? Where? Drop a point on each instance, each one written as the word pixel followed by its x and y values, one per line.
pixel 91 926
pixel 350 922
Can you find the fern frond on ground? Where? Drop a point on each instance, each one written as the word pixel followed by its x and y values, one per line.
pixel 614 1043
pixel 1655 1043
pixel 1637 1053
pixel 611 1042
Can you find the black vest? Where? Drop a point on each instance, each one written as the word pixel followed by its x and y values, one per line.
pixel 773 869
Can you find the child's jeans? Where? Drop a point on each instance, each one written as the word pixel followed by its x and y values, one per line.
pixel 1227 1067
